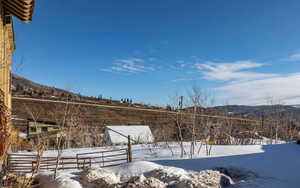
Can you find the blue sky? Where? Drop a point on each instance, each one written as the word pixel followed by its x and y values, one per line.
pixel 245 52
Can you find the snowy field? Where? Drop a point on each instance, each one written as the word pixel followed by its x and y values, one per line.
pixel 266 166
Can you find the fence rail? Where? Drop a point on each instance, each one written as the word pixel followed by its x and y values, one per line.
pixel 26 163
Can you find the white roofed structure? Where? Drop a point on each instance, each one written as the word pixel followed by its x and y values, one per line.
pixel 118 134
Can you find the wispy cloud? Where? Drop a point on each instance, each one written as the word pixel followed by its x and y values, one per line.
pixel 294 57
pixel 285 88
pixel 232 71
pixel 181 63
pixel 130 60
pixel 182 79
pixel 129 65
pixel 243 85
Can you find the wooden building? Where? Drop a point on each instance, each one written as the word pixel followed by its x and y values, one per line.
pixel 48 132
pixel 22 10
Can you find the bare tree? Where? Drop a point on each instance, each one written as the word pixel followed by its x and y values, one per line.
pixel 177 104
pixel 198 100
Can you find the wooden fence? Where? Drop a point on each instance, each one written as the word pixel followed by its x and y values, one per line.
pixel 27 163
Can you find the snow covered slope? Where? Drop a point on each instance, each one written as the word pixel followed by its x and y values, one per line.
pixel 274 166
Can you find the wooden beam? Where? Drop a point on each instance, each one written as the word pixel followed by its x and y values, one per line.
pixel 22 9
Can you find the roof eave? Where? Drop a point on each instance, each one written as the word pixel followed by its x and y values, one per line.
pixel 22 9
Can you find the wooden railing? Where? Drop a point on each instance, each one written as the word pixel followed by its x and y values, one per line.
pixel 28 163
pixel 103 158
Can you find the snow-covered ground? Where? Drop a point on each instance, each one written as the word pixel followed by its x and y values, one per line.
pixel 267 166
pixel 274 166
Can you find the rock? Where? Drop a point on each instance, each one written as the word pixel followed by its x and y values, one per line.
pixel 225 176
pixel 226 180
pixel 98 177
pixel 180 178
pixel 168 174
pixel 223 171
pixel 61 182
pixel 186 184
pixel 66 183
pixel 143 182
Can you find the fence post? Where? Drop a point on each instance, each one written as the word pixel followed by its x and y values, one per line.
pixel 129 150
pixel 102 159
pixel 32 167
pixel 77 161
pixel 8 162
pixel 90 162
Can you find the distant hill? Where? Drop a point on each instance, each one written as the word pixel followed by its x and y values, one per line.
pixel 258 111
pixel 296 105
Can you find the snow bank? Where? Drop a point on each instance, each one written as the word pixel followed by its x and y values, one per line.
pixel 158 177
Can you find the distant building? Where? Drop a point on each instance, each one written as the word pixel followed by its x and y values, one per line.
pixel 48 131
pixel 36 128
pixel 118 134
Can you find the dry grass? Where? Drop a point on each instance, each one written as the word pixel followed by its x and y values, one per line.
pixel 17 182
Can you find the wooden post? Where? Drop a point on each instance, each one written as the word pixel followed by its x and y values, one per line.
pixel 32 167
pixel 262 120
pixel 8 162
pixel 129 153
pixel 77 161
pixel 102 160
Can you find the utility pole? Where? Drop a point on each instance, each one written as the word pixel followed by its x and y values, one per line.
pixel 262 120
pixel 180 102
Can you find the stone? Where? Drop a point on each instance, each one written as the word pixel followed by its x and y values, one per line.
pixel 143 182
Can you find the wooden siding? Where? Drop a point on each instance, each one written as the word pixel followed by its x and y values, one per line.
pixel 6 50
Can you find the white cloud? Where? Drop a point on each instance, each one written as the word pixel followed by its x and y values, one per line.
pixel 129 65
pixel 294 57
pixel 244 86
pixel 130 60
pixel 231 71
pixel 285 88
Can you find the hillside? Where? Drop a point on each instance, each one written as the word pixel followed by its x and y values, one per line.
pixel 87 116
pixel 22 87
